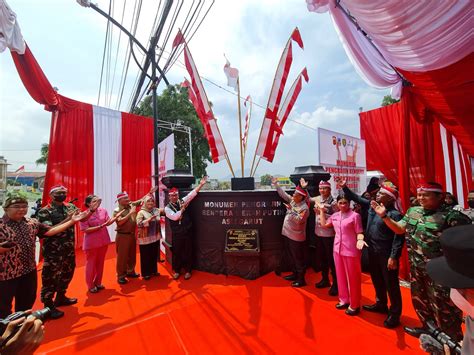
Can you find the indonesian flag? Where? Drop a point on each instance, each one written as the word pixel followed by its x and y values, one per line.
pixel 270 125
pixel 20 170
pixel 232 75
pixel 247 122
pixel 198 97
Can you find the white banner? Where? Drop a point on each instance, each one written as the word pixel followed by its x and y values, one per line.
pixel 343 156
pixel 166 162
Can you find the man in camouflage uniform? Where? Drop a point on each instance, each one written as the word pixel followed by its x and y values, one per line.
pixel 423 226
pixel 58 252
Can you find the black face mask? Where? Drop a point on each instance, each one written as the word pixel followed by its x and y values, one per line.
pixel 470 203
pixel 60 198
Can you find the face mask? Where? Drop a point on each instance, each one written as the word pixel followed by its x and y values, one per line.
pixel 461 302
pixel 470 203
pixel 60 198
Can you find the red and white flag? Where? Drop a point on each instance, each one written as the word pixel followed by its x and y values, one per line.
pixel 286 108
pixel 20 170
pixel 247 122
pixel 270 122
pixel 232 75
pixel 197 96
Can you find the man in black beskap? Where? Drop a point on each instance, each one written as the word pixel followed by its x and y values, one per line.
pixel 385 248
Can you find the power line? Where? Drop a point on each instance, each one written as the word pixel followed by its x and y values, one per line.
pixel 103 54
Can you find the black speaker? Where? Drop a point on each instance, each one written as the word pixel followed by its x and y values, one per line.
pixel 242 183
pixel 181 179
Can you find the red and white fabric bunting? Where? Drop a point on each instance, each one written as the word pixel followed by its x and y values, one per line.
pixel 197 96
pixel 286 108
pixel 270 125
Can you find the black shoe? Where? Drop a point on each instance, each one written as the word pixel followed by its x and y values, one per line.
pixel 155 274
pixel 323 284
pixel 146 277
pixel 392 321
pixel 55 313
pixel 278 272
pixel 64 301
pixel 376 308
pixel 414 332
pixel 352 312
pixel 342 306
pixel 298 284
pixel 122 280
pixel 100 287
pixel 133 275
pixel 333 291
pixel 291 277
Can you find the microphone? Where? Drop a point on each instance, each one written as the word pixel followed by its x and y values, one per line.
pixel 73 200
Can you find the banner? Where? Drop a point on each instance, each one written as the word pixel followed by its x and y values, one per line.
pixel 166 162
pixel 343 156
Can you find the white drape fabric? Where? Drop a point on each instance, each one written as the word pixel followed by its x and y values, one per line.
pixel 458 176
pixel 416 36
pixel 107 157
pixel 10 33
pixel 447 166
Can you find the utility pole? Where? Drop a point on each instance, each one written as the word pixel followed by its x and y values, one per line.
pixel 150 61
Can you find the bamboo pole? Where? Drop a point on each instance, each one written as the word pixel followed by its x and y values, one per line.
pixel 240 126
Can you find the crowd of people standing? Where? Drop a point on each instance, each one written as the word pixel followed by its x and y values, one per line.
pixel 383 233
pixel 341 234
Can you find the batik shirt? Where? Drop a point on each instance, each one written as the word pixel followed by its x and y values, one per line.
pixel 19 260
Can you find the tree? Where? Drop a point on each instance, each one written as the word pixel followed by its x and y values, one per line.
pixel 388 100
pixel 174 106
pixel 266 180
pixel 44 154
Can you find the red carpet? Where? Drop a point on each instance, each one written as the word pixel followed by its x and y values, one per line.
pixel 218 314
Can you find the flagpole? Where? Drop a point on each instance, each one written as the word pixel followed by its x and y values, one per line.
pixel 248 129
pixel 256 166
pixel 240 126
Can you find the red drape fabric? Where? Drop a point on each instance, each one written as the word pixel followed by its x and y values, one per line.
pixel 34 79
pixel 71 153
pixel 447 94
pixel 389 139
pixel 137 143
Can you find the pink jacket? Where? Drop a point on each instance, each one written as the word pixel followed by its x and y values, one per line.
pixel 346 226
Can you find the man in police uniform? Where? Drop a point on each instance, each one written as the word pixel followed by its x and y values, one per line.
pixel 423 226
pixel 58 252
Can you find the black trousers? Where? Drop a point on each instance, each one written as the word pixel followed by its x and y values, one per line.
pixel 182 253
pixel 22 289
pixel 385 281
pixel 297 253
pixel 149 258
pixel 324 248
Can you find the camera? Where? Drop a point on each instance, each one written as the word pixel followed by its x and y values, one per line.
pixel 443 338
pixel 41 314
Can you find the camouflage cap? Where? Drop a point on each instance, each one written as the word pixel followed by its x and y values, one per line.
pixel 14 199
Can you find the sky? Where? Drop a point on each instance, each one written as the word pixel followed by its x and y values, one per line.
pixel 68 42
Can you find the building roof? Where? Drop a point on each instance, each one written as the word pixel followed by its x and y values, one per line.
pixel 33 174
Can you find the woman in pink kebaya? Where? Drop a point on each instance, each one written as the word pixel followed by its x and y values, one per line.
pixel 95 244
pixel 348 244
